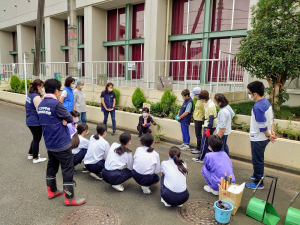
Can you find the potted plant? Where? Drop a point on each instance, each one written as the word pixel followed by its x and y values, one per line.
pixel 298 136
pixel 233 126
pixel 245 127
pixel 292 135
pixel 157 138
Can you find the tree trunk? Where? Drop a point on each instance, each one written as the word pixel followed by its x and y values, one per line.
pixel 271 95
pixel 275 97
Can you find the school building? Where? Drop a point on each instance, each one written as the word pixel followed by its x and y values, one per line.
pixel 149 44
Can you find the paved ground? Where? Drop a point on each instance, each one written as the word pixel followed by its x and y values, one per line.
pixel 23 198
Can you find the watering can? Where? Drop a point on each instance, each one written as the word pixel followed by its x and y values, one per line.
pixel 261 210
pixel 293 215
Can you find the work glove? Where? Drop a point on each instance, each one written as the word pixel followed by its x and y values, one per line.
pixel 207 133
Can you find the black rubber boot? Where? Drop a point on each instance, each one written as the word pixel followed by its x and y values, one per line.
pixel 52 189
pixel 70 198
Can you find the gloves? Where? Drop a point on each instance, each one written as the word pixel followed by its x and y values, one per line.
pixel 177 118
pixel 147 124
pixel 207 133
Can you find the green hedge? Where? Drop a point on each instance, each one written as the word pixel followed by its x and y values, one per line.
pixel 138 98
pixel 15 83
pixel 117 93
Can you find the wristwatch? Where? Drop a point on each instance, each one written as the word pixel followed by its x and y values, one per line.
pixel 268 136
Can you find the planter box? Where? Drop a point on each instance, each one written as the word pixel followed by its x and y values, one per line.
pixel 12 97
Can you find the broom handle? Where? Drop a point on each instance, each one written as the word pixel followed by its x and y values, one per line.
pixel 294 198
pixel 274 190
pixel 261 179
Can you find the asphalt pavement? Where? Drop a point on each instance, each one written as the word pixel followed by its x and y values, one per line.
pixel 23 198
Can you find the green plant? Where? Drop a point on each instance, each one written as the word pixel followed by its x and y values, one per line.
pixel 283 115
pixel 15 83
pixel 159 129
pixel 117 94
pixel 245 127
pixel 166 102
pixel 235 116
pixel 175 108
pixel 138 98
pixel 155 108
pixel 292 135
pixel 276 128
pixel 22 85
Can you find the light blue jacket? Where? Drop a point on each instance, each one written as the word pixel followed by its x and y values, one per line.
pixel 225 116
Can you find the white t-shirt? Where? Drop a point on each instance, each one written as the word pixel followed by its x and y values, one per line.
pixel 64 93
pixel 98 150
pixel 146 162
pixel 114 161
pixel 83 143
pixel 174 179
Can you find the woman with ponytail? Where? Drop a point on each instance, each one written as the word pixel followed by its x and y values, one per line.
pixel 96 154
pixel 119 162
pixel 146 164
pixel 173 189
pixel 80 144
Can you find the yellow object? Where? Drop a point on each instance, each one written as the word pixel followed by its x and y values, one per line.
pixel 210 110
pixel 199 111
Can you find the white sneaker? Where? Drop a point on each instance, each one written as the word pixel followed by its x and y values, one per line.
pixel 31 156
pixel 185 148
pixel 39 160
pixel 180 146
pixel 210 190
pixel 179 206
pixel 197 160
pixel 163 201
pixel 119 187
pixel 146 190
pixel 97 176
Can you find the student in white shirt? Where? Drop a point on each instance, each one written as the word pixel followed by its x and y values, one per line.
pixel 119 163
pixel 96 154
pixel 79 144
pixel 173 189
pixel 146 164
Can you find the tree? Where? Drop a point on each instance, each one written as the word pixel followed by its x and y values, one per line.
pixel 271 50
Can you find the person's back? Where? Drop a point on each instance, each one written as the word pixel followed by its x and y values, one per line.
pixel 96 150
pixel 114 161
pixel 146 162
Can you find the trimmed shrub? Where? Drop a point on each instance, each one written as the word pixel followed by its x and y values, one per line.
pixel 138 98
pixel 15 83
pixel 117 93
pixel 243 108
pixel 167 98
pixel 22 85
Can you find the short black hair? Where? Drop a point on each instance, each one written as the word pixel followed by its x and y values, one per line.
pixel 69 81
pixel 221 98
pixel 215 142
pixel 185 92
pixel 204 95
pixel 257 87
pixel 145 109
pixel 51 85
pixel 74 113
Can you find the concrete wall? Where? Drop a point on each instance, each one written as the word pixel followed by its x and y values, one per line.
pixel 26 41
pixel 6 45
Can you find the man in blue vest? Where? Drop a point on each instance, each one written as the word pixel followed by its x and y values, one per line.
pixel 184 118
pixel 53 117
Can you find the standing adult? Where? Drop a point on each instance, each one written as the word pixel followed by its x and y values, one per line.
pixel 224 119
pixel 54 117
pixel 198 118
pixel 108 102
pixel 210 120
pixel 33 100
pixel 79 97
pixel 261 130
pixel 67 95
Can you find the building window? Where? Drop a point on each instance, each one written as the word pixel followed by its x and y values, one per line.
pixel 138 21
pixel 116 54
pixel 80 41
pixel 116 24
pixel 188 16
pixel 138 55
pixel 67 44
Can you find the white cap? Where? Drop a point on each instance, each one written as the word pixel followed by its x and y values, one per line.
pixel 196 91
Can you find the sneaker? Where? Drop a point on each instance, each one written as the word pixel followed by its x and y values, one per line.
pixel 198 160
pixel 210 190
pixel 85 170
pixel 31 156
pixel 39 160
pixel 146 190
pixel 180 146
pixel 113 133
pixel 196 151
pixel 119 187
pixel 163 201
pixel 252 177
pixel 97 176
pixel 253 186
pixel 179 206
pixel 185 148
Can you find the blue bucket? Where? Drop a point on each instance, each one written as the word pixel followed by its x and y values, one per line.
pixel 221 215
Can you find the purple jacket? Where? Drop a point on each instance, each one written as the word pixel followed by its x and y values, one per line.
pixel 216 164
pixel 71 128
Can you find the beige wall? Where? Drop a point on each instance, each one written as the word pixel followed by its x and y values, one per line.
pixel 26 39
pixel 6 45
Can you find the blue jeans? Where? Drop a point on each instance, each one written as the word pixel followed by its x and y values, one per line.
pixel 258 156
pixel 225 146
pixel 185 133
pixel 113 118
pixel 204 143
pixel 82 117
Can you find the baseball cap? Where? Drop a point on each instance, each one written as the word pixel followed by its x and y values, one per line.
pixel 196 91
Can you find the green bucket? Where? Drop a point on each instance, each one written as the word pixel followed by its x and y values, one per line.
pixel 293 215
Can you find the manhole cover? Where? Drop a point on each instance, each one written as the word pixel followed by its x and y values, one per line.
pixel 198 212
pixel 89 215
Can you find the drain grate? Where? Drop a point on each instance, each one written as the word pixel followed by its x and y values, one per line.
pixel 198 212
pixel 89 215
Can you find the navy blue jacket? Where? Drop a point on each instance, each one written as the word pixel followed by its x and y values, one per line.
pixel 108 100
pixel 187 119
pixel 32 118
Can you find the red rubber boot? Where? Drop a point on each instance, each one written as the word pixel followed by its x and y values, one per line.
pixel 52 189
pixel 70 198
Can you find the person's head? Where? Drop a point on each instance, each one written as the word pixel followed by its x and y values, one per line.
pixel 125 140
pixel 53 86
pixel 196 92
pixel 147 140
pixel 101 131
pixel 175 153
pixel 82 129
pixel 221 100
pixel 204 96
pixel 256 90
pixel 70 82
pixel 37 86
pixel 109 87
pixel 215 143
pixel 80 85
pixel 185 94
pixel 145 112
pixel 75 115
